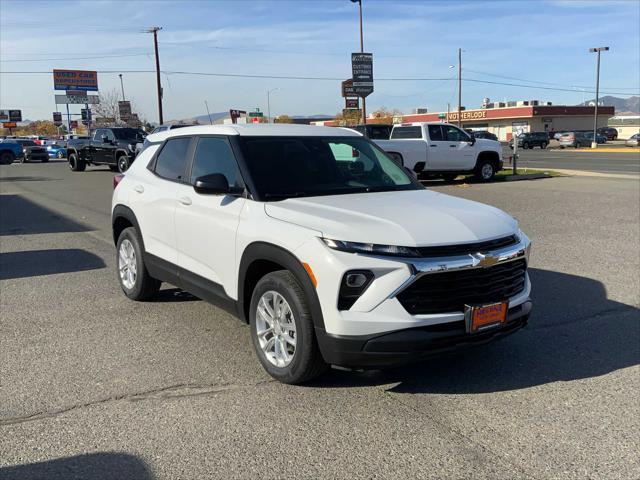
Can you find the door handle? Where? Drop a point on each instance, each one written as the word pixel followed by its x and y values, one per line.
pixel 185 200
pixel 433 146
pixel 453 146
pixel 139 188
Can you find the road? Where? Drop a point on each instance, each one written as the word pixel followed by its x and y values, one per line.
pixel 571 159
pixel 93 385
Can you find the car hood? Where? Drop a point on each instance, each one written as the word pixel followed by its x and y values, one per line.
pixel 405 218
pixel 488 144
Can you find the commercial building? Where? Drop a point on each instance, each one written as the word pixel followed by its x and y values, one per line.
pixel 506 118
pixel 626 125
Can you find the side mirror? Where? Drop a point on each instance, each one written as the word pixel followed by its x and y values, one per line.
pixel 215 184
pixel 472 141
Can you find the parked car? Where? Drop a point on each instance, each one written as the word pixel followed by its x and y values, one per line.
pixel 574 139
pixel 531 140
pixel 10 151
pixel 609 132
pixel 600 139
pixel 484 134
pixel 373 270
pixel 633 140
pixel 32 151
pixel 557 135
pixel 442 150
pixel 374 132
pixel 56 151
pixel 115 147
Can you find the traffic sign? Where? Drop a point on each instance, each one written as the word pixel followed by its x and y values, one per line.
pixel 362 73
pixel 77 99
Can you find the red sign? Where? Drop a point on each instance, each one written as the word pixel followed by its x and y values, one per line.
pixel 74 124
pixel 255 119
pixel 9 125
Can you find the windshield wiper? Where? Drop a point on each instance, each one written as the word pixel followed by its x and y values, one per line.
pixel 285 195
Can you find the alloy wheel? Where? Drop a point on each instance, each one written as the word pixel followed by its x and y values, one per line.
pixel 127 264
pixel 487 171
pixel 276 329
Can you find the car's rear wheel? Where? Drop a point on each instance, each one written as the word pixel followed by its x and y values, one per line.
pixel 60 154
pixel 123 163
pixel 135 281
pixel 525 145
pixel 282 329
pixel 6 158
pixel 76 164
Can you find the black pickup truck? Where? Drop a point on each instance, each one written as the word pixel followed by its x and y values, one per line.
pixel 115 147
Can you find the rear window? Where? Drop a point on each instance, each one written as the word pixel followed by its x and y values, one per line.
pixel 172 159
pixel 406 132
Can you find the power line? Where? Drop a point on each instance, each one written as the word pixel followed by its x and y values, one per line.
pixel 288 77
pixel 79 58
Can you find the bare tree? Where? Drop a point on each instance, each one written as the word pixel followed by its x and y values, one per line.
pixel 385 115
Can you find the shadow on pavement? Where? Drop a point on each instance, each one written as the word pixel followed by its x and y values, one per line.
pixel 32 263
pixel 27 179
pixel 575 332
pixel 171 295
pixel 19 216
pixel 93 466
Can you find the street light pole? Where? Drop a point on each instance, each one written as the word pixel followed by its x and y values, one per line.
pixel 364 99
pixel 121 86
pixel 269 103
pixel 459 87
pixel 594 143
pixel 154 30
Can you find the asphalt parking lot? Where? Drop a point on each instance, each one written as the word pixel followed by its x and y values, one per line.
pixel 93 385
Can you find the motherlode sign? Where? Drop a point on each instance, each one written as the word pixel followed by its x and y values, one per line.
pixel 468 115
pixel 86 80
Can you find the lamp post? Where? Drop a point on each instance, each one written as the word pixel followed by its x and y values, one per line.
pixel 594 143
pixel 269 103
pixel 121 86
pixel 364 100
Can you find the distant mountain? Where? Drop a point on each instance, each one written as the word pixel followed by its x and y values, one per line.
pixel 622 105
pixel 204 119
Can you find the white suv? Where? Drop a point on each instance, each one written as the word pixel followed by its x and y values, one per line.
pixel 330 251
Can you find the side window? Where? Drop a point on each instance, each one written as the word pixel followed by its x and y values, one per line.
pixel 435 133
pixel 110 136
pixel 172 159
pixel 99 133
pixel 453 134
pixel 214 155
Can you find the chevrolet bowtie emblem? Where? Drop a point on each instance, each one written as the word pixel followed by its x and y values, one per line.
pixel 482 260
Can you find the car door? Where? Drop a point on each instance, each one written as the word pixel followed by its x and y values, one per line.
pixel 154 196
pixel 109 148
pixel 206 225
pixel 461 153
pixel 437 150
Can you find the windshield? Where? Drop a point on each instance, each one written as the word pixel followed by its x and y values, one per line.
pixel 129 133
pixel 283 167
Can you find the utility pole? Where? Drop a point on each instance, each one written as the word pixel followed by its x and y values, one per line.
pixel 269 103
pixel 594 144
pixel 208 114
pixel 154 30
pixel 364 99
pixel 459 88
pixel 121 86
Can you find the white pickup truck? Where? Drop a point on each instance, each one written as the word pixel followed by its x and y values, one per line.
pixel 442 150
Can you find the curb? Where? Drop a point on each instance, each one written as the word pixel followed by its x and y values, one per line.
pixel 587 173
pixel 526 176
pixel 601 150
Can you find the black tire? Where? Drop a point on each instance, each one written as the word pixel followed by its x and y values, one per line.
pixel 449 177
pixel 75 164
pixel 144 287
pixel 525 145
pixel 45 160
pixel 307 362
pixel 24 159
pixel 7 158
pixel 577 145
pixel 123 163
pixel 60 154
pixel 485 171
pixel 113 168
pixel 543 145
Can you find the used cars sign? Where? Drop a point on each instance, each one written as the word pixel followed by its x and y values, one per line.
pixel 86 80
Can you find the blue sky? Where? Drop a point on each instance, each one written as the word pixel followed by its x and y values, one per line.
pixel 545 42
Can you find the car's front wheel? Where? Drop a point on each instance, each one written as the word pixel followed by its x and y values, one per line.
pixel 60 154
pixel 76 164
pixel 485 171
pixel 123 163
pixel 6 158
pixel 135 281
pixel 282 329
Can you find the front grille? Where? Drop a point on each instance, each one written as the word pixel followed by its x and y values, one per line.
pixel 466 248
pixel 451 291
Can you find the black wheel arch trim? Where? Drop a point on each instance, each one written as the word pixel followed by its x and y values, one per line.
pixel 121 211
pixel 267 251
pixel 495 156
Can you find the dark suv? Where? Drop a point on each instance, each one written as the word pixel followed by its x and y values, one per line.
pixel 609 132
pixel 530 140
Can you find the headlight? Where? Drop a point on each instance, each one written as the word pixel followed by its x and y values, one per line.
pixel 371 248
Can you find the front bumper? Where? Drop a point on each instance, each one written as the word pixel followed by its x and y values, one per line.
pixel 403 346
